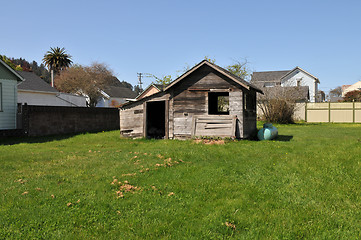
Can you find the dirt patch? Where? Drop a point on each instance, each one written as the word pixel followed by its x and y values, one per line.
pixel 210 141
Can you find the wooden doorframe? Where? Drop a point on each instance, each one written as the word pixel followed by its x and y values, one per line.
pixel 166 122
pixel 166 114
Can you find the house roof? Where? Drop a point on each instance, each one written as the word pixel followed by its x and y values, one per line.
pixel 33 82
pixel 297 93
pixel 221 70
pixel 156 86
pixel 19 77
pixel 269 76
pixel 276 76
pixel 300 69
pixel 119 92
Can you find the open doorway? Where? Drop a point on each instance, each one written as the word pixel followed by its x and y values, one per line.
pixel 155 119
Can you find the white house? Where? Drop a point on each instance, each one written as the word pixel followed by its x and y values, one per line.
pixel 8 96
pixel 114 96
pixel 350 88
pixel 35 91
pixel 289 78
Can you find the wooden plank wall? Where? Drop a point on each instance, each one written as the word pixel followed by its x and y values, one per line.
pixel 132 118
pixel 220 126
pixel 236 109
pixel 190 98
pixel 131 121
pixel 250 116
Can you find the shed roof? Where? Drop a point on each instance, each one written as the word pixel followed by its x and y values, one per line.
pixel 33 82
pixel 221 70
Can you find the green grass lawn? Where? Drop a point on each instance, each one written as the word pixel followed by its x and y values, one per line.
pixel 306 184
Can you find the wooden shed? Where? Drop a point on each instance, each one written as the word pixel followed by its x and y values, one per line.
pixel 207 100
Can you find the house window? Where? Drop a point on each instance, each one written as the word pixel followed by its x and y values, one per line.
pixel 1 97
pixel 299 82
pixel 269 84
pixel 218 103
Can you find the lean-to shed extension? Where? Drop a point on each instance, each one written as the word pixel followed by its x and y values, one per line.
pixel 207 100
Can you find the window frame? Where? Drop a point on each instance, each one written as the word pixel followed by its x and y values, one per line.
pixel 213 103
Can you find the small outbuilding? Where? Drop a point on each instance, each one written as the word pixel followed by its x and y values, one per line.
pixel 207 100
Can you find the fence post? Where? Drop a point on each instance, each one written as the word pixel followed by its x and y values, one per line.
pixel 306 111
pixel 353 111
pixel 329 111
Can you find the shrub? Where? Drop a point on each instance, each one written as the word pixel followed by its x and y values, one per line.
pixel 278 104
pixel 353 96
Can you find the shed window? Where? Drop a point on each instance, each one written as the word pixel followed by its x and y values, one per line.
pixel 1 97
pixel 218 103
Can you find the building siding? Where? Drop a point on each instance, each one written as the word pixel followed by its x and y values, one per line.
pixel 306 80
pixel 9 104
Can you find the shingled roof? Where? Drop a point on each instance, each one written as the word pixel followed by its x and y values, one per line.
pixel 259 78
pixel 223 71
pixel 268 76
pixel 119 92
pixel 33 82
pixel 300 93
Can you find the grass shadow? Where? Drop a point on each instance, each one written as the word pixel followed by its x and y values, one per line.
pixel 18 140
pixel 283 138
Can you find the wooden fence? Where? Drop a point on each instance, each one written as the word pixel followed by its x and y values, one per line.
pixel 345 112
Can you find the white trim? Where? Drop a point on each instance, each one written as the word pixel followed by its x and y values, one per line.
pixel 298 68
pixel 147 89
pixel 35 91
pixel 104 94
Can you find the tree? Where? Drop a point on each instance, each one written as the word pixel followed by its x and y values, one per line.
pixel 56 60
pixel 138 90
pixel 353 96
pixel 164 81
pixel 85 80
pixel 239 68
pixel 8 62
pixel 336 92
pixel 210 59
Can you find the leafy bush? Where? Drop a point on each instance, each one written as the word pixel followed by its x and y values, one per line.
pixel 353 96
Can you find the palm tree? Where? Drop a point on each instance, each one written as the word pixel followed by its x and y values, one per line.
pixel 56 60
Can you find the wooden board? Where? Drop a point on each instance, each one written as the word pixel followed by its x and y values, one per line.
pixel 219 126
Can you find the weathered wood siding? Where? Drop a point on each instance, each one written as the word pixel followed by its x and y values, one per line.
pixel 249 114
pixel 190 98
pixel 131 121
pixel 8 104
pixel 220 126
pixel 236 109
pixel 132 117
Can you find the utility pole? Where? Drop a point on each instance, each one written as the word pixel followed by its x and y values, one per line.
pixel 140 80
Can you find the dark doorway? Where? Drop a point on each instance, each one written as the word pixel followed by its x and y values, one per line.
pixel 156 119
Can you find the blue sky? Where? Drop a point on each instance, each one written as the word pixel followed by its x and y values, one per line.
pixel 162 37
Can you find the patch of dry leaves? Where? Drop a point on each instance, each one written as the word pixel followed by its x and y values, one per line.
pixel 210 141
